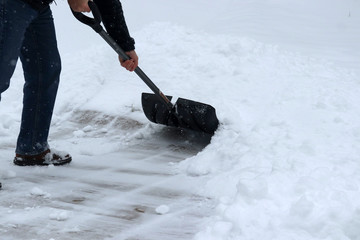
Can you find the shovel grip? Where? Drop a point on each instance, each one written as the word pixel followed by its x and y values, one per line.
pixel 94 22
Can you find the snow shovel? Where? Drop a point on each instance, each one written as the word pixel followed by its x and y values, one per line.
pixel 158 107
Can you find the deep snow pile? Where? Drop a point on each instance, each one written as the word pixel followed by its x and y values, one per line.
pixel 284 162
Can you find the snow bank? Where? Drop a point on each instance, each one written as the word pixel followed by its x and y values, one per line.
pixel 284 163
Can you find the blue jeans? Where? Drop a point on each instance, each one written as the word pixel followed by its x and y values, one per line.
pixel 30 35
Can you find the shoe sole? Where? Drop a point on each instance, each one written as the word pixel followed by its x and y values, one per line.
pixel 24 163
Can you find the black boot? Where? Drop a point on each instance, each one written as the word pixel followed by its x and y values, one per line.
pixel 43 159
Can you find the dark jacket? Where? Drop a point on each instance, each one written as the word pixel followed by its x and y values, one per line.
pixel 112 17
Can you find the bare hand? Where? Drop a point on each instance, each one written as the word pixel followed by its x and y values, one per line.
pixel 132 63
pixel 79 5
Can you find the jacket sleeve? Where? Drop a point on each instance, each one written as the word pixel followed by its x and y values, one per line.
pixel 114 22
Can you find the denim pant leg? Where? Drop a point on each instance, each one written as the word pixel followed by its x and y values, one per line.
pixel 15 17
pixel 41 64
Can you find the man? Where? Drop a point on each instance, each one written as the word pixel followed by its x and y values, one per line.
pixel 27 31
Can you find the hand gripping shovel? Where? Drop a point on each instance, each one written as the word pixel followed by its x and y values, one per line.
pixel 157 107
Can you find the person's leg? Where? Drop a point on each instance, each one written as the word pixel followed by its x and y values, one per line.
pixel 41 64
pixel 15 17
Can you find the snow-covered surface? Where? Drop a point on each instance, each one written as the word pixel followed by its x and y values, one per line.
pixel 284 164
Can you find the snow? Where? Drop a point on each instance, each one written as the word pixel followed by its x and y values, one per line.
pixel 39 192
pixel 284 79
pixel 162 209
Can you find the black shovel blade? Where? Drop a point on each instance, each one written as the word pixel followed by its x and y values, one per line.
pixel 184 114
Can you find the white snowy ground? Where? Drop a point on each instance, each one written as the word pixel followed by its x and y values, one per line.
pixel 284 164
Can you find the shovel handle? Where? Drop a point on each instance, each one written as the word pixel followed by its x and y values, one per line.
pixel 95 23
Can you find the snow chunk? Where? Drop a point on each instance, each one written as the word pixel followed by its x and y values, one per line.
pixel 79 133
pixel 88 128
pixel 162 209
pixel 59 216
pixel 39 192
